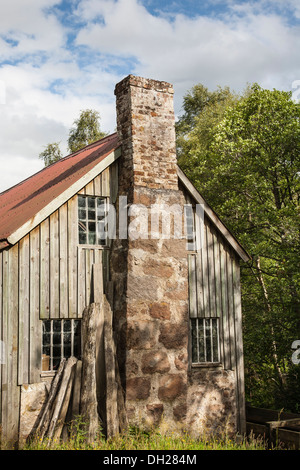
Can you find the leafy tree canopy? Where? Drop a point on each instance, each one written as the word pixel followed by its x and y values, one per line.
pixel 51 154
pixel 85 130
pixel 243 154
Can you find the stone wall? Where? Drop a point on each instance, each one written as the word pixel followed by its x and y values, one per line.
pixel 212 401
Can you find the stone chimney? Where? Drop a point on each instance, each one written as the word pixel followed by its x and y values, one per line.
pixel 150 273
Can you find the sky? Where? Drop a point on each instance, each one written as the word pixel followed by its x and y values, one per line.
pixel 58 57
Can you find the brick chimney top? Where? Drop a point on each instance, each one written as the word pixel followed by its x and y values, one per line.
pixel 146 127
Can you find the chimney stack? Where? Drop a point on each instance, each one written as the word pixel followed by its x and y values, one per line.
pixel 146 127
pixel 150 274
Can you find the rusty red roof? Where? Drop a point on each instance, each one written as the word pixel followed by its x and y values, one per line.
pixel 23 201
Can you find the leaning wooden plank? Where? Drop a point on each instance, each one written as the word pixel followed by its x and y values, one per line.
pixel 88 400
pixel 44 421
pixel 76 390
pixel 123 420
pixel 112 419
pixel 61 396
pixel 66 401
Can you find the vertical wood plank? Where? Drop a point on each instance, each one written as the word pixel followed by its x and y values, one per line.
pixel 106 182
pixel 89 189
pixel 63 262
pixel 114 179
pixel 97 185
pixel 211 273
pixel 204 255
pixel 225 326
pixel 54 265
pixel 105 263
pixel 217 242
pixel 35 330
pixel 88 274
pixel 81 282
pixel 14 390
pixel 24 293
pixel 192 285
pixel 199 284
pixel 45 269
pixel 97 282
pixel 5 334
pixel 72 255
pixel 231 331
pixel 239 347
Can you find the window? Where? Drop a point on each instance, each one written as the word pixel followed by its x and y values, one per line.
pixel 61 339
pixel 205 340
pixel 92 220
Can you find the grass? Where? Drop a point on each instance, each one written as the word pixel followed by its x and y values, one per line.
pixel 136 439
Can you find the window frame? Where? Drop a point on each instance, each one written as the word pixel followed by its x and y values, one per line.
pixel 106 205
pixel 51 370
pixel 206 363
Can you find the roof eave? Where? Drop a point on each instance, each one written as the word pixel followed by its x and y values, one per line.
pixel 30 224
pixel 233 242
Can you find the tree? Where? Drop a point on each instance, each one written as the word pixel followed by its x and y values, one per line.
pixel 85 130
pixel 203 110
pixel 248 170
pixel 51 154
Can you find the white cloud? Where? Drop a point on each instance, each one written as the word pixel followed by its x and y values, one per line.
pixel 48 78
pixel 246 46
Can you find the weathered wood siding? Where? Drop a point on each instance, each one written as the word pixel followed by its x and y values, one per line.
pixel 45 275
pixel 214 291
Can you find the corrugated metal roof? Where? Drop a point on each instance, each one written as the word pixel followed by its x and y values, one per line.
pixel 23 201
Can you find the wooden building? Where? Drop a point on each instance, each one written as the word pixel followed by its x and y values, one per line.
pixel 176 303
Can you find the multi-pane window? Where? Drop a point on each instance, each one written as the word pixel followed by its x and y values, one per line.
pixel 189 226
pixel 61 339
pixel 205 340
pixel 92 220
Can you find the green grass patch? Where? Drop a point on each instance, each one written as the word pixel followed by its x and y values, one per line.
pixel 137 439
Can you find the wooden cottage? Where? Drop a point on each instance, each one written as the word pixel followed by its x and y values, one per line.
pixel 176 296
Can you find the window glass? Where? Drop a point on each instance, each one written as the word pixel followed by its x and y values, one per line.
pixel 205 340
pixel 61 339
pixel 92 214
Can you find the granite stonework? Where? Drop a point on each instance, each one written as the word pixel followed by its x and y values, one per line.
pixel 33 398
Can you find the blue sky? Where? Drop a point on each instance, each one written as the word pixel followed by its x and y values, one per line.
pixel 59 57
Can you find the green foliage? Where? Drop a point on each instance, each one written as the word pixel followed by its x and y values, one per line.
pixel 51 154
pixel 85 130
pixel 246 164
pixel 139 439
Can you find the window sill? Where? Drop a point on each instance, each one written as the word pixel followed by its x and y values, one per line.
pixel 98 247
pixel 206 365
